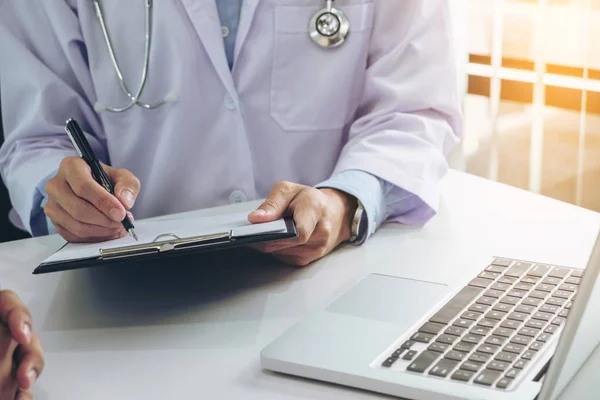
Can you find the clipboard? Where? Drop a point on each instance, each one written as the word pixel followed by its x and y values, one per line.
pixel 167 245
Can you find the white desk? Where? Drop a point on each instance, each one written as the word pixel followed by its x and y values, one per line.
pixel 195 331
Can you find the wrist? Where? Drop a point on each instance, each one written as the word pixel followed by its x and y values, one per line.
pixel 348 204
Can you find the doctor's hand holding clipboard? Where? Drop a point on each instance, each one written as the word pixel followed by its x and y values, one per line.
pixel 337 112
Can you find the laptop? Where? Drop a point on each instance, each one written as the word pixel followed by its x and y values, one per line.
pixel 517 330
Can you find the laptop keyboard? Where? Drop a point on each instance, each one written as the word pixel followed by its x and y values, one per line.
pixel 495 326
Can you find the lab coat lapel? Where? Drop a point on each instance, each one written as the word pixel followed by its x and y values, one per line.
pixel 205 19
pixel 246 16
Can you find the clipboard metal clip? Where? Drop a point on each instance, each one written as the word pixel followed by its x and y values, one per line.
pixel 161 246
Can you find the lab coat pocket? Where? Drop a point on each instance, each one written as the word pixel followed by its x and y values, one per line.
pixel 315 88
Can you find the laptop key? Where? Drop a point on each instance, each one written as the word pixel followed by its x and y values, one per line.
pixel 559 272
pixel 555 301
pixel 489 275
pixel 495 340
pixel 462 375
pixel 510 300
pixel 487 348
pixel 502 262
pixel 422 337
pixel 423 361
pixel 431 327
pixel 488 323
pixel 568 305
pixel 407 345
pixel 528 355
pixel 506 357
pixel 470 338
pixel 524 340
pixel 517 316
pixel 542 316
pixel 486 300
pixel 573 280
pixel 389 362
pixel 564 313
pixel 514 348
pixel 454 330
pixel 493 293
pixel 544 337
pixel 524 309
pixel 480 330
pixel 538 294
pixel 544 287
pixel 536 345
pixel 518 269
pixel 479 357
pixel 464 347
pixel 507 279
pixel 500 286
pixel 568 287
pixel 504 332
pixel 530 301
pixel 510 324
pixel 530 279
pixel 558 321
pixel 523 286
pixel 521 364
pixel 563 294
pixel 443 368
pixel 455 355
pixel 487 377
pixel 536 324
pixel 397 353
pixel 495 315
pixel 517 293
pixel 481 282
pixel 472 315
pixel 498 365
pixel 548 308
pixel 456 305
pixel 539 270
pixel 446 339
pixel 471 366
pixel 480 308
pixel 503 383
pixel 410 355
pixel 503 307
pixel 578 273
pixel 512 373
pixel 463 323
pixel 529 332
pixel 552 281
pixel 439 347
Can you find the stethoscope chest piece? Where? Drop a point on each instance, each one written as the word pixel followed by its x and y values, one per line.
pixel 329 27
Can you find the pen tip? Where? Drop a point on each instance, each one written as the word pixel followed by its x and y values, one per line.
pixel 133 234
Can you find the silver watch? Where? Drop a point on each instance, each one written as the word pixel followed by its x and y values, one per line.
pixel 358 221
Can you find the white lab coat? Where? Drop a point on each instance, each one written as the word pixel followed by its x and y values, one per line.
pixel 385 102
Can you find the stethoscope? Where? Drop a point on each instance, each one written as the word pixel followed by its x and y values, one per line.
pixel 328 28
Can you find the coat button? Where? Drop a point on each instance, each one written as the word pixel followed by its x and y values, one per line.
pixel 230 103
pixel 237 196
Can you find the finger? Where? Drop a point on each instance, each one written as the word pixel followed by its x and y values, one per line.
pixel 15 314
pixel 59 191
pixel 127 185
pixel 79 177
pixel 30 360
pixel 27 395
pixel 79 230
pixel 276 204
pixel 71 237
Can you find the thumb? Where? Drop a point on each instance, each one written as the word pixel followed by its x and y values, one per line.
pixel 127 186
pixel 276 204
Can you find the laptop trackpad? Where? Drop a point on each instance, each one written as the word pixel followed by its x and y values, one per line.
pixel 389 299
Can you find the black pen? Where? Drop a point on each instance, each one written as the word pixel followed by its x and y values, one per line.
pixel 85 151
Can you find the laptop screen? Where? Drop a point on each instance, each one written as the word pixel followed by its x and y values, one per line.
pixel 581 334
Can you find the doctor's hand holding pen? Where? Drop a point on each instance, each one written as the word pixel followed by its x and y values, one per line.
pixel 323 219
pixel 81 209
pixel 21 355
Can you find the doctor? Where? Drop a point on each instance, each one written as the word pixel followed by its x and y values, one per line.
pixel 339 112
